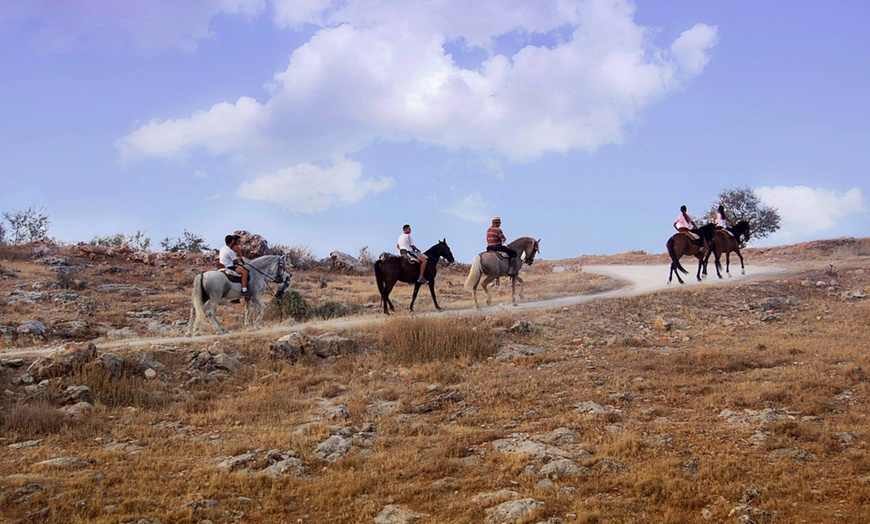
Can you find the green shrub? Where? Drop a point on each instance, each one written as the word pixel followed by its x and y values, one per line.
pixel 332 309
pixel 291 305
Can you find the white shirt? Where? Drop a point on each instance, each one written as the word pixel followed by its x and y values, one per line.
pixel 682 222
pixel 226 256
pixel 719 220
pixel 405 242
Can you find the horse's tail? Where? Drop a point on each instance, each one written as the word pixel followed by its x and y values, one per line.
pixel 675 261
pixel 199 296
pixel 379 277
pixel 474 274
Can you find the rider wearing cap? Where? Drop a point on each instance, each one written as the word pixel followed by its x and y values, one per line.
pixel 495 242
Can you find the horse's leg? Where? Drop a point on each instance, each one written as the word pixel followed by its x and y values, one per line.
pixel 514 291
pixel 259 311
pixel 210 311
pixel 432 290
pixel 414 296
pixel 388 288
pixel 675 272
pixel 742 269
pixel 522 287
pixel 191 324
pixel 486 290
pixel 700 265
pixel 728 264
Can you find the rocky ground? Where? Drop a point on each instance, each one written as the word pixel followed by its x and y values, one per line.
pixel 738 403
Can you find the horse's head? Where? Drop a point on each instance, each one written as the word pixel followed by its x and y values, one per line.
pixel 444 251
pixel 283 285
pixel 281 278
pixel 532 251
pixel 745 230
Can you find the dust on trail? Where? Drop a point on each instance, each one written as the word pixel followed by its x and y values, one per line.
pixel 641 280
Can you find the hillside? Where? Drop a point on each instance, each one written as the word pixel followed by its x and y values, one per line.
pixel 742 400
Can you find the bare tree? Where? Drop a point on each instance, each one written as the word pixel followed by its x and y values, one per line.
pixel 30 225
pixel 742 203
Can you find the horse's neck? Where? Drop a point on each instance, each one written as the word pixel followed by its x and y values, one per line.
pixel 522 245
pixel 264 263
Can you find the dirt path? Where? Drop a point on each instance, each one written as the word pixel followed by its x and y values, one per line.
pixel 641 280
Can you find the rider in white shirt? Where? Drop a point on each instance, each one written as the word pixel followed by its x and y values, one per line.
pixel 407 249
pixel 230 257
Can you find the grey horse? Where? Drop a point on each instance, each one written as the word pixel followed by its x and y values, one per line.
pixel 211 286
pixel 493 265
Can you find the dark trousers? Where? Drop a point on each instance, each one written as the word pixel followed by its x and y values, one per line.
pixel 504 249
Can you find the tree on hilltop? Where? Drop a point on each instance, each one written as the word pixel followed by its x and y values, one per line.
pixel 741 203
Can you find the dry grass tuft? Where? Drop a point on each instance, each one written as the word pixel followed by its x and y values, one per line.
pixel 38 418
pixel 408 340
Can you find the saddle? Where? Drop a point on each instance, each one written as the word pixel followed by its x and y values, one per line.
pixel 410 257
pixel 231 275
pixel 500 254
pixel 694 237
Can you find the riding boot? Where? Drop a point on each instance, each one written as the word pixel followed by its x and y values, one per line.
pixel 512 269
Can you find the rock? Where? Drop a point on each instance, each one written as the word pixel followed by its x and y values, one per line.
pixel 76 394
pixel 63 363
pixel 77 410
pixel 330 345
pixel 524 327
pixel 798 454
pixel 34 328
pixel 63 462
pixel 333 448
pixel 73 329
pixel 661 324
pixel 562 468
pixel 512 511
pixel 238 462
pixel 150 374
pixel 344 262
pixel 289 347
pixel 393 514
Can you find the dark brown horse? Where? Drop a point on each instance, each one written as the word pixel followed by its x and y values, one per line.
pixel 680 245
pixel 725 243
pixel 392 269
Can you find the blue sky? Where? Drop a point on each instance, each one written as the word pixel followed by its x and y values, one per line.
pixel 330 124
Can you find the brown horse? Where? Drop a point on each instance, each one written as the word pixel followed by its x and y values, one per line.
pixel 725 243
pixel 493 265
pixel 680 245
pixel 392 269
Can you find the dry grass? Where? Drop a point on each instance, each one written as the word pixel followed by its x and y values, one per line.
pixel 695 412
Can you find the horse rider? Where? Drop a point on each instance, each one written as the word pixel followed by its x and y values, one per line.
pixel 230 257
pixel 495 240
pixel 721 220
pixel 409 251
pixel 684 224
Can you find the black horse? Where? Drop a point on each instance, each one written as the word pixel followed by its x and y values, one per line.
pixel 680 244
pixel 392 269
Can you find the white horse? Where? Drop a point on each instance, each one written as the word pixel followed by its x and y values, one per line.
pixel 211 286
pixel 493 265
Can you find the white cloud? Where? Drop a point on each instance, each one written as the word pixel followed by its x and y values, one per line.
pixel 307 188
pixel 226 128
pixel 472 208
pixel 379 70
pixel 807 211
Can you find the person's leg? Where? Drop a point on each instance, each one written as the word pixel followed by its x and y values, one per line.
pixel 422 259
pixel 244 273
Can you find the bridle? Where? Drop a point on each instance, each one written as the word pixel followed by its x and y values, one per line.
pixel 279 277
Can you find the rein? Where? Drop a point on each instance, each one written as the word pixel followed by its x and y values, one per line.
pixel 272 279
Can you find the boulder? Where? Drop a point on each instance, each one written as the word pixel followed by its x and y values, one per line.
pixel 331 345
pixel 344 262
